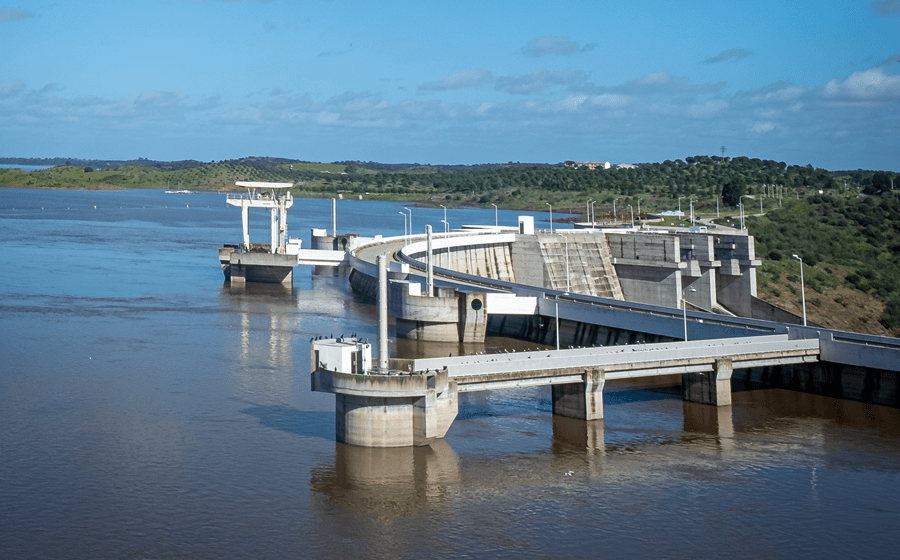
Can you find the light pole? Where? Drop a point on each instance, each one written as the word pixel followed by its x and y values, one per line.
pixel 551 216
pixel 802 288
pixel 679 204
pixel 410 220
pixel 741 206
pixel 495 213
pixel 692 210
pixel 632 215
pixel 446 225
pixel 405 234
pixel 615 217
pixel 593 216
pixel 684 309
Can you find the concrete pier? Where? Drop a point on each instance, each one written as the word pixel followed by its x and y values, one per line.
pixel 383 408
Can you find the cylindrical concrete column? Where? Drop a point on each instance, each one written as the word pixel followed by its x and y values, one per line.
pixel 382 313
pixel 273 230
pixel 429 265
pixel 245 225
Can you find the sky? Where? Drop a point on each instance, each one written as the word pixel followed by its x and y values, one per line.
pixel 462 82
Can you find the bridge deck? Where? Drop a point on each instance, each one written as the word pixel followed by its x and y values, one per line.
pixel 550 367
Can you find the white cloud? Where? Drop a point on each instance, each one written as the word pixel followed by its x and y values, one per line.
pixel 708 109
pixel 762 127
pixel 156 98
pixel 886 7
pixel 729 54
pixel 548 44
pixel 458 80
pixel 11 14
pixel 539 81
pixel 11 88
pixel 871 85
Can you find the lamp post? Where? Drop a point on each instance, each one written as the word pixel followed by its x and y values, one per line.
pixel 495 213
pixel 593 216
pixel 632 215
pixel 615 218
pixel 741 200
pixel 802 288
pixel 551 216
pixel 446 225
pixel 410 220
pixel 692 210
pixel 684 309
pixel 679 203
pixel 405 234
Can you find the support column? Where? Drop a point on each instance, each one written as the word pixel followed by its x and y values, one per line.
pixel 581 400
pixel 245 225
pixel 429 267
pixel 709 388
pixel 382 313
pixel 333 217
pixel 273 230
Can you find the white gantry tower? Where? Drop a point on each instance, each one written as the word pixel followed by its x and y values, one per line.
pixel 274 196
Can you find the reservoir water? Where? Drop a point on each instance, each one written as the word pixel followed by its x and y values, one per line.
pixel 148 410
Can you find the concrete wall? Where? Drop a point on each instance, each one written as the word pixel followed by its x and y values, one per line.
pixel 648 267
pixel 528 261
pixel 768 312
pixel 736 278
pixel 868 385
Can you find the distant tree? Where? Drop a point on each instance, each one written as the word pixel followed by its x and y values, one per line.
pixel 733 189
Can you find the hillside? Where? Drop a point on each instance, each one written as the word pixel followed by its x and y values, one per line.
pixel 843 224
pixel 850 248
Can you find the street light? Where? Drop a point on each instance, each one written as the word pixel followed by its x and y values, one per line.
pixel 446 225
pixel 593 216
pixel 632 215
pixel 551 216
pixel 615 218
pixel 410 219
pixel 679 203
pixel 692 210
pixel 684 309
pixel 405 234
pixel 495 213
pixel 802 288
pixel 740 201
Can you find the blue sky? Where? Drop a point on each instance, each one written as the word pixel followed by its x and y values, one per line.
pixel 453 82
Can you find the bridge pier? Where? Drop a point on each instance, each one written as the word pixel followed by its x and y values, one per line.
pixel 584 400
pixel 709 388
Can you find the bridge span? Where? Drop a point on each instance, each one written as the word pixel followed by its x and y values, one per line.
pixel 416 401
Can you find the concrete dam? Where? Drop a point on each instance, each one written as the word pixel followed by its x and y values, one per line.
pixel 682 303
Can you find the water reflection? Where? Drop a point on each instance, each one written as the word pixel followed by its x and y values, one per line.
pixel 264 352
pixel 387 483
